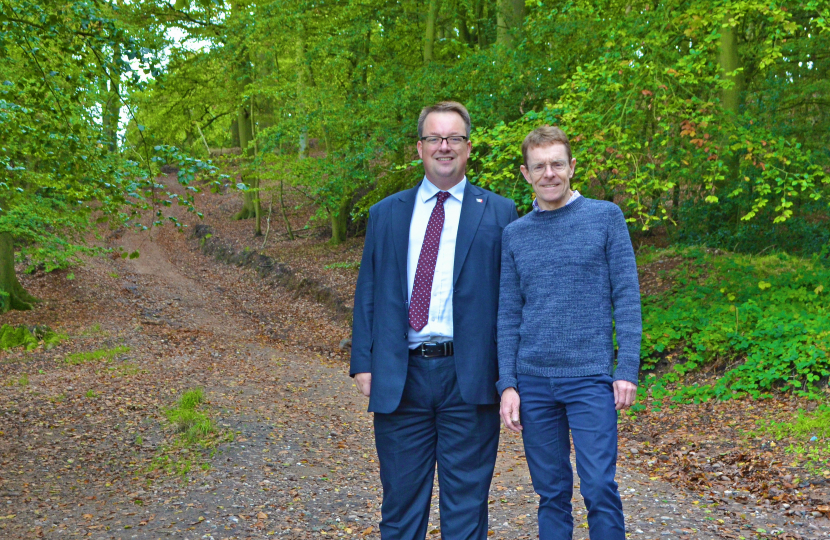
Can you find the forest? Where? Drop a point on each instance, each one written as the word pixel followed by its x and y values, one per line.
pixel 707 122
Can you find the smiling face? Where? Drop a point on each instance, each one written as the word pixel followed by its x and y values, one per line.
pixel 444 164
pixel 549 172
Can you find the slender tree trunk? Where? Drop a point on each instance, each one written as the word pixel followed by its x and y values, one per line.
pixel 340 220
pixel 463 28
pixel 730 61
pixel 12 293
pixel 251 204
pixel 111 104
pixel 429 37
pixel 244 129
pixel 479 21
pixel 509 18
pixel 284 215
pixel 303 80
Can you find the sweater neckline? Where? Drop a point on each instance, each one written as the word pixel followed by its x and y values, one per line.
pixel 561 211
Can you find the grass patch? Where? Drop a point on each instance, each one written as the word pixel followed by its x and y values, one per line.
pixel 806 426
pixel 346 265
pixel 196 437
pixel 94 330
pixel 91 394
pixel 192 424
pixel 91 356
pixel 809 436
pixel 126 369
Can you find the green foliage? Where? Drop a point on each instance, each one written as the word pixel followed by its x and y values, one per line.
pixel 763 321
pixel 22 336
pixel 12 337
pixel 649 126
pixel 108 355
pixel 66 70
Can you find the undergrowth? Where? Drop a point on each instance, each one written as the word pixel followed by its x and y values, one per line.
pixel 12 337
pixel 762 323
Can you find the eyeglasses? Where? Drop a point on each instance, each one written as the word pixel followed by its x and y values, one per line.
pixel 557 166
pixel 452 140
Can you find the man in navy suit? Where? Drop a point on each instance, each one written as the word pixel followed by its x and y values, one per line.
pixel 424 336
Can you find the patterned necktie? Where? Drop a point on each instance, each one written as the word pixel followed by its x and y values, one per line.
pixel 422 288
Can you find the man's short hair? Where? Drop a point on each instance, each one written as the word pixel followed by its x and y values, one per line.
pixel 444 106
pixel 545 136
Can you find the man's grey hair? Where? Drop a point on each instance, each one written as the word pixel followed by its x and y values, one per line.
pixel 445 106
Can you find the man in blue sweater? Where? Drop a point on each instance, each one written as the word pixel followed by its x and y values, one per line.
pixel 568 281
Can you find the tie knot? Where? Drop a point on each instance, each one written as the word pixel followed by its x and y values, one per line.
pixel 443 196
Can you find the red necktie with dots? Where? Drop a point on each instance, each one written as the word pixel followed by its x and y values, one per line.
pixel 422 288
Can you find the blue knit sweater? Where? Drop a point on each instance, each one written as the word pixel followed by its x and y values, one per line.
pixel 568 277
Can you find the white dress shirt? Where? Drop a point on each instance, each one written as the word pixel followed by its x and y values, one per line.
pixel 439 324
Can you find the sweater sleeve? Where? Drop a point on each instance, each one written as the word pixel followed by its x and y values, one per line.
pixel 625 297
pixel 510 317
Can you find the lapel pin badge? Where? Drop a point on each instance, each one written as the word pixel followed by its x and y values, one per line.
pixel 480 200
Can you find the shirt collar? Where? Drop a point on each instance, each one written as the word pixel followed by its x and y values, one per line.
pixel 428 190
pixel 574 196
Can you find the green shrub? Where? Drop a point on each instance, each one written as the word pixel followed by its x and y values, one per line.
pixel 21 336
pixel 12 337
pixel 764 321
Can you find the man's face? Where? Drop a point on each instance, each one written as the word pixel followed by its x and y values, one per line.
pixel 549 172
pixel 444 163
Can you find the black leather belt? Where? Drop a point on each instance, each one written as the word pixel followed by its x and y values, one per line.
pixel 432 350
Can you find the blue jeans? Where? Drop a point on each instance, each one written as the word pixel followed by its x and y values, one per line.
pixel 433 425
pixel 584 406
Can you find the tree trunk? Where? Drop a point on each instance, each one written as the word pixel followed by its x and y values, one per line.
pixel 243 125
pixel 251 204
pixel 429 36
pixel 731 97
pixel 340 220
pixel 111 104
pixel 509 18
pixel 12 293
pixel 463 28
pixel 730 61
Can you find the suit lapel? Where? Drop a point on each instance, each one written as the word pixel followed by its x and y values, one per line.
pixel 472 208
pixel 401 218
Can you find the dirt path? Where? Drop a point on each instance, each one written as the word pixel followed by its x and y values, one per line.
pixel 85 451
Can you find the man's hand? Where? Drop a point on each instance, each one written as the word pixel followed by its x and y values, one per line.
pixel 624 394
pixel 510 409
pixel 364 383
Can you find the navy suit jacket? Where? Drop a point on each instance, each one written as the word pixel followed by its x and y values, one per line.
pixel 380 344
